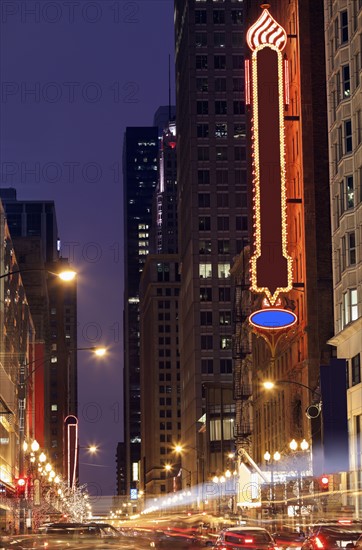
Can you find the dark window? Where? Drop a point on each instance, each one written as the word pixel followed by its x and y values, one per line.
pixel 238 62
pixel 226 366
pixel 203 153
pixel 201 62
pixel 239 107
pixel 356 369
pixel 241 199
pixel 200 39
pixel 219 40
pixel 238 85
pixel 200 17
pixel 346 80
pixel 207 366
pixel 220 84
pixel 242 223
pixel 240 177
pixel 202 86
pixel 237 39
pixel 218 17
pixel 204 223
pixel 163 272
pixel 239 153
pixel 205 318
pixel 203 177
pixel 219 61
pixel 236 16
pixel 223 247
pixel 202 130
pixel 202 107
pixel 224 294
pixel 206 341
pixel 222 200
pixel 204 200
pixel 221 153
pixel 344 26
pixel 205 294
pixel 33 224
pixel 223 223
pixel 351 248
pixel 348 136
pixel 222 177
pixel 220 107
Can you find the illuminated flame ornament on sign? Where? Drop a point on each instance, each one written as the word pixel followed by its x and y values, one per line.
pixel 267 89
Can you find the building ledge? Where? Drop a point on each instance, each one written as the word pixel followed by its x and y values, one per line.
pixel 346 333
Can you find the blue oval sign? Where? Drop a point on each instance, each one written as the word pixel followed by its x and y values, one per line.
pixel 273 318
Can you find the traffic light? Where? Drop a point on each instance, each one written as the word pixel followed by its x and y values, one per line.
pixel 20 486
pixel 324 483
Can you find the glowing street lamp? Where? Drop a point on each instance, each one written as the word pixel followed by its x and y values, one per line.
pixel 304 445
pixel 35 446
pixel 65 275
pixel 271 460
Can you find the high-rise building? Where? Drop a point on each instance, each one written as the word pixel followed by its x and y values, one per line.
pixel 160 361
pixel 120 469
pixel 343 54
pixel 213 218
pixel 164 232
pixel 140 154
pixel 160 373
pixel 33 226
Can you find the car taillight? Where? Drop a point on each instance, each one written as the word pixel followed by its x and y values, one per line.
pixel 249 541
pixel 345 521
pixel 319 543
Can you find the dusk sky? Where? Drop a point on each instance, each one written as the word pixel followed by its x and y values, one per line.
pixel 73 76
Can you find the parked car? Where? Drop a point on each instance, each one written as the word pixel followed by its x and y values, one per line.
pixel 333 535
pixel 253 538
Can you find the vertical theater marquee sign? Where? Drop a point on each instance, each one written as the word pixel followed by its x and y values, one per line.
pixel 267 91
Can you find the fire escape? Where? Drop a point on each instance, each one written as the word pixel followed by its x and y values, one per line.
pixel 242 363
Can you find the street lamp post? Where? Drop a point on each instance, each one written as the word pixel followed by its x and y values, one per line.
pixel 219 480
pixel 168 468
pixel 302 447
pixel 314 409
pixel 271 460
pixel 180 449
